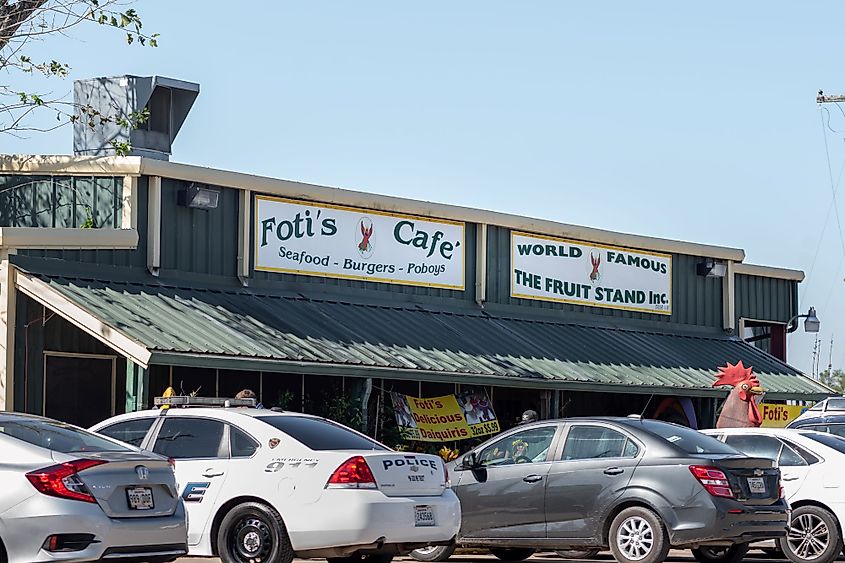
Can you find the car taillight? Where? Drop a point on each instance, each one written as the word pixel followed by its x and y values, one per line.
pixel 63 481
pixel 713 479
pixel 354 473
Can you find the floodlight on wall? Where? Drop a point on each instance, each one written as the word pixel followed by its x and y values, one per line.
pixel 711 268
pixel 198 197
pixel 811 322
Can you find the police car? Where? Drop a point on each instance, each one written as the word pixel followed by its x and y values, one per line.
pixel 267 486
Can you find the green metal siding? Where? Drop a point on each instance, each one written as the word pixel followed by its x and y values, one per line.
pixel 60 201
pixel 42 332
pixel 765 299
pixel 696 300
pixel 198 241
pixel 120 258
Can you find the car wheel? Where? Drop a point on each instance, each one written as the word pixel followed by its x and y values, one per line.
pixel 253 532
pixel 813 536
pixel 638 536
pixel 434 553
pixel 512 554
pixel 732 554
pixel 578 553
pixel 363 558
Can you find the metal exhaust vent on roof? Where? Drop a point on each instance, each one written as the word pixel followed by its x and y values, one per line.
pixel 167 100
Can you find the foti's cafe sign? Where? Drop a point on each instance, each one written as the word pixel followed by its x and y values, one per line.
pixel 568 271
pixel 313 239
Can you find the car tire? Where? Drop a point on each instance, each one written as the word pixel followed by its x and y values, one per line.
pixel 578 553
pixel 437 553
pixel 637 535
pixel 732 554
pixel 253 531
pixel 363 558
pixel 512 553
pixel 826 533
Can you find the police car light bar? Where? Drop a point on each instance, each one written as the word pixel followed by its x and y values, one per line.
pixel 186 401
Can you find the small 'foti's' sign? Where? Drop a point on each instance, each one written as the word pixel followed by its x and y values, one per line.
pixel 568 271
pixel 778 416
pixel 312 239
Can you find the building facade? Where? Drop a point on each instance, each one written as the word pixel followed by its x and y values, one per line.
pixel 122 276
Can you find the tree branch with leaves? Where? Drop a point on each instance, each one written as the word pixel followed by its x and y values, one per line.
pixel 24 22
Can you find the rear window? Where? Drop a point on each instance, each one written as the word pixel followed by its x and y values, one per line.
pixel 58 437
pixel 320 434
pixel 689 440
pixel 829 440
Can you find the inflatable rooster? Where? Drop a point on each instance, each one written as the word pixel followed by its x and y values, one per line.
pixel 740 409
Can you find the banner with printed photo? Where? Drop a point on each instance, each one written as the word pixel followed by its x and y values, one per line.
pixel 318 239
pixel 446 418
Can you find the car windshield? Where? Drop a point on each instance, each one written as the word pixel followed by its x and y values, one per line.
pixel 58 436
pixel 689 440
pixel 829 440
pixel 321 434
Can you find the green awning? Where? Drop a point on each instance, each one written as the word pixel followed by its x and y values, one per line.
pixel 248 329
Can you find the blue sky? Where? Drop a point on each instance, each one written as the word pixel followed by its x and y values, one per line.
pixel 686 121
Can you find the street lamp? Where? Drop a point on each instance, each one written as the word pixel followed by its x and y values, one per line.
pixel 811 322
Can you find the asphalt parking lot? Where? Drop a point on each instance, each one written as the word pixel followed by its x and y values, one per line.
pixel 676 556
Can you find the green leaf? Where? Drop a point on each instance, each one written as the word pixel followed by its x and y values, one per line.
pixel 129 38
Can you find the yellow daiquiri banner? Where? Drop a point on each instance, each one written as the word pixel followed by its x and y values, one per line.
pixel 778 416
pixel 444 419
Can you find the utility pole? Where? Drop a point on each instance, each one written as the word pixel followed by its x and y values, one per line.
pixel 823 98
pixel 830 358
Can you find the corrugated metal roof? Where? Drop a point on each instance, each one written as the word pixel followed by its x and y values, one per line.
pixel 251 326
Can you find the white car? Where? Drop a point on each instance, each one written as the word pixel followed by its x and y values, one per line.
pixel 812 468
pixel 70 495
pixel 261 485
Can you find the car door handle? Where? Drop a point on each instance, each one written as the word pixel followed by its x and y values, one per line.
pixel 212 473
pixel 790 477
pixel 533 478
pixel 613 471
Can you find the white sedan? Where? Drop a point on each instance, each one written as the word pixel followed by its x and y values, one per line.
pixel 812 467
pixel 267 486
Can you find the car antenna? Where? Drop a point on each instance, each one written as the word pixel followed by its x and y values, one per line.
pixel 647 403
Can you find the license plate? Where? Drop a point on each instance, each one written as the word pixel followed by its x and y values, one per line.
pixel 757 485
pixel 423 516
pixel 140 498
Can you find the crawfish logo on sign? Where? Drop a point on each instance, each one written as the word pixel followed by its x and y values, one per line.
pixel 366 241
pixel 595 275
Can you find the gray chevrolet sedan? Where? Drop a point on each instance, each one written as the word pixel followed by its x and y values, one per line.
pixel 638 487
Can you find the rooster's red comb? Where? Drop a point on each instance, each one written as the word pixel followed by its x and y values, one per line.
pixel 731 374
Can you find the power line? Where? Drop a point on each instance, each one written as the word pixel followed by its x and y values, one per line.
pixel 833 191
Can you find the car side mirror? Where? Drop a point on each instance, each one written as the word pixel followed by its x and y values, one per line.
pixel 469 462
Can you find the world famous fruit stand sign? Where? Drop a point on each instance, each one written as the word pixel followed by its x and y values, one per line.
pixel 444 419
pixel 316 239
pixel 568 271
